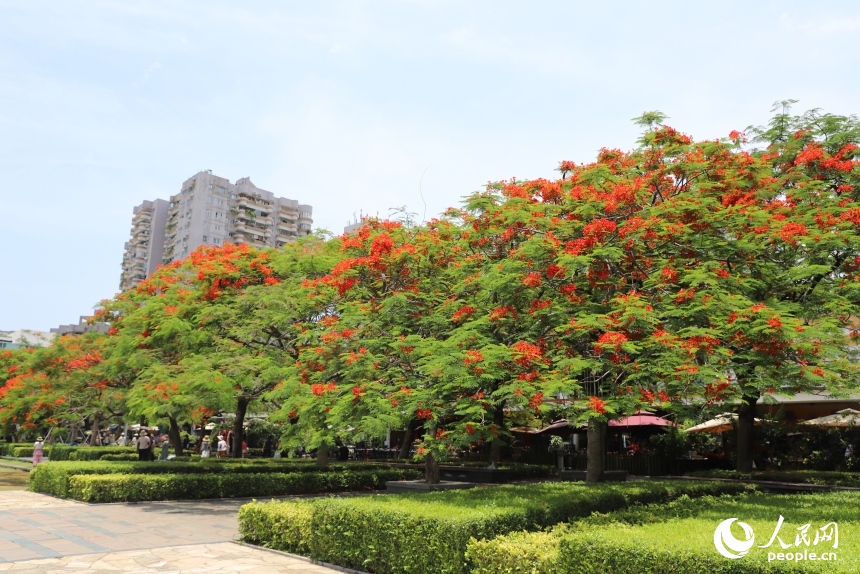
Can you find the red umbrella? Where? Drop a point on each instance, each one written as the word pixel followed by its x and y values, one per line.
pixel 642 420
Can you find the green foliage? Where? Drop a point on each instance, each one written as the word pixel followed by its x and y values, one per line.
pixel 429 533
pixel 61 452
pixel 95 453
pixel 55 477
pixel 141 487
pixel 851 479
pixel 672 537
pixel 20 449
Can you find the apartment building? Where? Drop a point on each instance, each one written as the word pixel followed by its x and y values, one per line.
pixel 209 210
pixel 145 250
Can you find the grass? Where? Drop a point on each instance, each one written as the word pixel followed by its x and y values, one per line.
pixel 11 479
pixel 679 537
pixel 18 463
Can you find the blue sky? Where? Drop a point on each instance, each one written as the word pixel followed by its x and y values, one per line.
pixel 344 105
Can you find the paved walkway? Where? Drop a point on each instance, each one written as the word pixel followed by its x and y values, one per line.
pixel 39 533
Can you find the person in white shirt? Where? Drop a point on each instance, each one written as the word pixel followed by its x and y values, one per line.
pixel 37 451
pixel 143 444
pixel 222 447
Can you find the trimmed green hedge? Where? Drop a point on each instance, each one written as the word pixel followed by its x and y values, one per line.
pixel 429 533
pixel 20 449
pixel 54 477
pixel 798 476
pixel 676 538
pixel 140 487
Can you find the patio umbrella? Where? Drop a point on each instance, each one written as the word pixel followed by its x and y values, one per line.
pixel 843 418
pixel 721 423
pixel 642 420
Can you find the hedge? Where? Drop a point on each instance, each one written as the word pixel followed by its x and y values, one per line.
pixel 675 538
pixel 140 487
pixel 798 476
pixel 54 477
pixel 429 533
pixel 20 449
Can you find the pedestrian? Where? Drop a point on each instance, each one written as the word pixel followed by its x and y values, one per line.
pixel 849 450
pixel 143 445
pixel 222 447
pixel 205 447
pixel 134 440
pixel 267 447
pixel 165 449
pixel 37 451
pixel 122 441
pixel 245 449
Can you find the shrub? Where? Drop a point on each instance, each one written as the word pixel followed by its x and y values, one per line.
pixel 139 487
pixel 97 452
pixel 60 452
pixel 429 533
pixel 832 478
pixel 670 538
pixel 54 477
pixel 25 451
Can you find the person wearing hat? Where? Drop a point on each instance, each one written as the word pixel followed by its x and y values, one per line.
pixel 143 444
pixel 37 451
pixel 205 447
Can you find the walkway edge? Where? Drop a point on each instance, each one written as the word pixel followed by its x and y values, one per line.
pixel 302 558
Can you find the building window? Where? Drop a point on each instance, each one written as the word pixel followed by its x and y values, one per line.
pixel 216 240
pixel 207 213
pixel 217 228
pixel 218 214
pixel 220 202
pixel 205 239
pixel 206 225
pixel 209 199
pixel 222 190
pixel 210 186
pixel 232 196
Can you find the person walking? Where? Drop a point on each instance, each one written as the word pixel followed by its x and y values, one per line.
pixel 37 451
pixel 205 448
pixel 143 445
pixel 222 447
pixel 165 448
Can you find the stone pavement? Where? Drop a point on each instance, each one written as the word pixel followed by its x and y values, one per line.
pixel 40 533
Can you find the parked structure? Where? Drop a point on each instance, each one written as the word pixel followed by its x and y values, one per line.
pixel 209 210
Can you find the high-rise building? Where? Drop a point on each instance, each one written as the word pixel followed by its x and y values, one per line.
pixel 209 210
pixel 145 250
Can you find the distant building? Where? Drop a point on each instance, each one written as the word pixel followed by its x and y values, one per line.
pixel 24 338
pixel 145 250
pixel 209 210
pixel 82 327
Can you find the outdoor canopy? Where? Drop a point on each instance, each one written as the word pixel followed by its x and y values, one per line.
pixel 721 423
pixel 843 418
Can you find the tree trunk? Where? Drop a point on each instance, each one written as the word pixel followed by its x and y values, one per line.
pixel 431 465
pixel 496 444
pixel 322 455
pixel 175 437
pixel 239 426
pixel 407 440
pixel 746 437
pixel 596 451
pixel 431 470
pixel 94 432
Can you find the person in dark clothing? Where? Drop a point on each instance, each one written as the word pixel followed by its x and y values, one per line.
pixel 267 447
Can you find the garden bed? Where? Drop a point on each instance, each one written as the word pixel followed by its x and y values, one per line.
pixel 819 477
pixel 55 478
pixel 429 533
pixel 679 538
pixel 101 488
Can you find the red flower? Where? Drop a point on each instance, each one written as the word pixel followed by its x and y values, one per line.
pixel 597 405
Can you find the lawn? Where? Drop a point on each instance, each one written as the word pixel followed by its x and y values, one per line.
pixel 11 479
pixel 679 537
